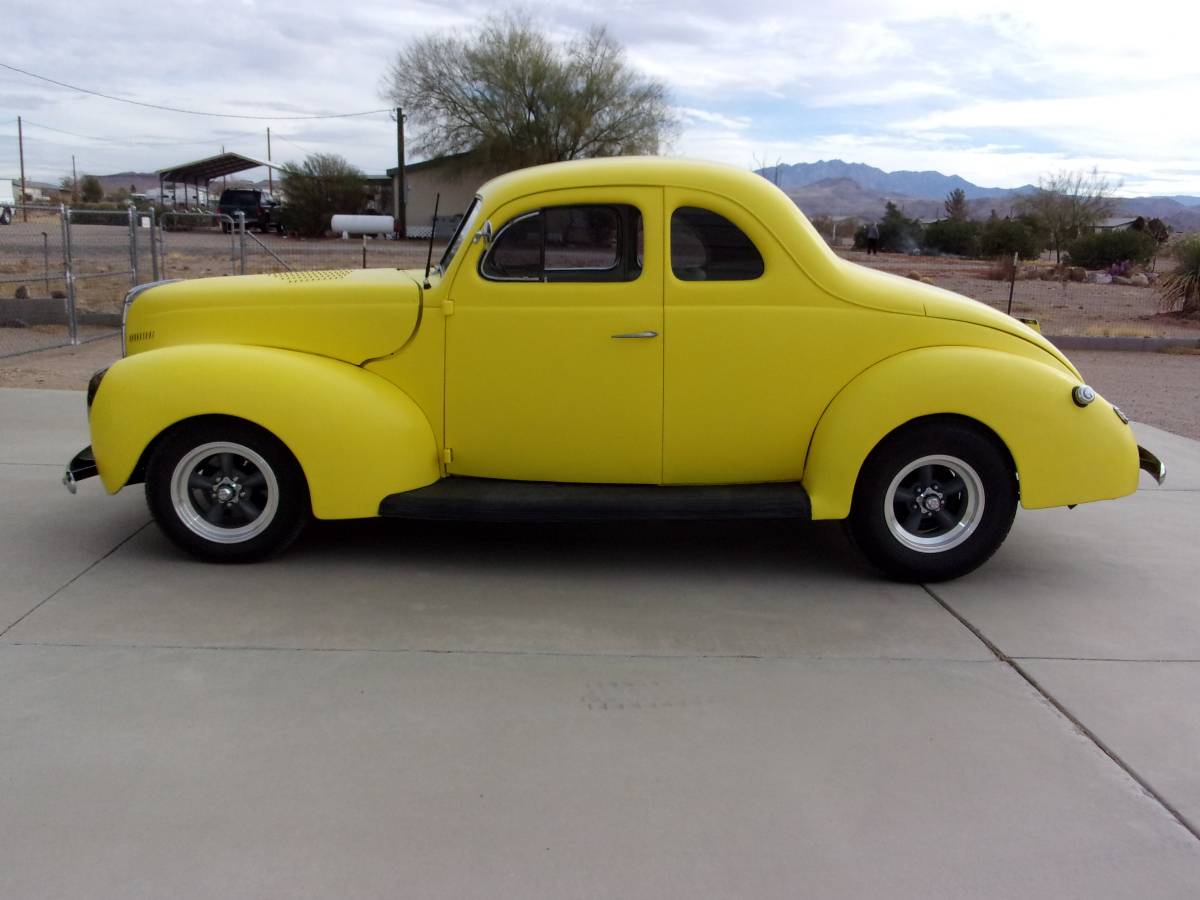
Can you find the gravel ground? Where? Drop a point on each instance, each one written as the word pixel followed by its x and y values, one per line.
pixel 1161 389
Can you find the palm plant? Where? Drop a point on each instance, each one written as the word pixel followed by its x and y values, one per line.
pixel 1182 287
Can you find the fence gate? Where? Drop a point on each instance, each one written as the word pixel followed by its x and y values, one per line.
pixel 35 306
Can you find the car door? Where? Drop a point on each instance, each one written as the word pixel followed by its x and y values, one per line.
pixel 554 349
pixel 756 351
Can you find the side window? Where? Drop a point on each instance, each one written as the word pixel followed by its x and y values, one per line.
pixel 568 243
pixel 708 247
pixel 516 254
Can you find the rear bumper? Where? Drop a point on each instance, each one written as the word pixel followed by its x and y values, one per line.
pixel 82 466
pixel 1148 462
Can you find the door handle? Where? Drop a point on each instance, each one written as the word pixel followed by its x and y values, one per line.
pixel 636 334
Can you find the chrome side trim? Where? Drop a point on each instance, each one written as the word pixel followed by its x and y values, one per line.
pixel 1148 462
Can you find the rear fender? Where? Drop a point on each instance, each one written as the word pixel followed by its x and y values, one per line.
pixel 1063 454
pixel 357 437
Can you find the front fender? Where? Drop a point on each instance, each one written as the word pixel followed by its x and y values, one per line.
pixel 357 437
pixel 1063 454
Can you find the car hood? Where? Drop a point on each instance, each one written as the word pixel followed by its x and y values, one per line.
pixel 882 290
pixel 348 314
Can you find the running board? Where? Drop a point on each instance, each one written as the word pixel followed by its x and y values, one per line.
pixel 493 500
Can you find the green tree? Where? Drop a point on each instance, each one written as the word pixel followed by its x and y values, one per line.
pixel 1070 203
pixel 511 95
pixel 897 232
pixel 1004 237
pixel 956 205
pixel 959 237
pixel 319 187
pixel 90 189
pixel 1104 248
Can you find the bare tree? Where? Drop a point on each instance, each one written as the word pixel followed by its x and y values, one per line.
pixel 956 205
pixel 1068 203
pixel 512 96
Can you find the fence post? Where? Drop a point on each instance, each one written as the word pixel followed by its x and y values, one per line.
pixel 153 247
pixel 242 240
pixel 162 244
pixel 64 213
pixel 1013 283
pixel 133 250
pixel 46 261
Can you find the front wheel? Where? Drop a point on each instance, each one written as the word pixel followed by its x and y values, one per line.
pixel 6 215
pixel 934 501
pixel 226 491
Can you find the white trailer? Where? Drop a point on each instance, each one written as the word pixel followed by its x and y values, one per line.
pixel 7 200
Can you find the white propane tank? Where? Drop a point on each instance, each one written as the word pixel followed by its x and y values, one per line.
pixel 348 225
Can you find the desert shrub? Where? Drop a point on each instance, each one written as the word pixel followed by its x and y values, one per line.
pixel 1182 287
pixel 1104 248
pixel 100 214
pixel 957 236
pixel 317 188
pixel 90 189
pixel 1004 237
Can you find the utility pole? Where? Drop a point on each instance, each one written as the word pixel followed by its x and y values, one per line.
pixel 222 177
pixel 74 180
pixel 399 191
pixel 21 151
pixel 270 171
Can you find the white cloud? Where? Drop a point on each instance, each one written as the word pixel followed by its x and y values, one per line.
pixel 996 94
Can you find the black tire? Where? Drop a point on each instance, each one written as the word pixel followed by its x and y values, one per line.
pixel 934 501
pixel 6 215
pixel 226 491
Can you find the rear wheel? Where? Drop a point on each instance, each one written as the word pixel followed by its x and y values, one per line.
pixel 6 215
pixel 226 491
pixel 934 501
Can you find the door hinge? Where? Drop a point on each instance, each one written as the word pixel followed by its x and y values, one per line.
pixel 447 456
pixel 447 308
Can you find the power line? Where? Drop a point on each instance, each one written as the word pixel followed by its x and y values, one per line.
pixel 190 112
pixel 109 140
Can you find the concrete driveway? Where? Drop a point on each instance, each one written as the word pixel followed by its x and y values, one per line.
pixel 653 711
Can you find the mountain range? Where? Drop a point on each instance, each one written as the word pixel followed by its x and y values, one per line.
pixel 836 188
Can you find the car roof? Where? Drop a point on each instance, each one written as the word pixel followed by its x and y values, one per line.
pixel 745 187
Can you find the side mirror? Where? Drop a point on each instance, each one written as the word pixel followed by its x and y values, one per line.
pixel 485 233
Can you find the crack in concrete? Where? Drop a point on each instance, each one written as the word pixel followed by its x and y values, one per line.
pixel 1012 662
pixel 75 578
pixel 479 652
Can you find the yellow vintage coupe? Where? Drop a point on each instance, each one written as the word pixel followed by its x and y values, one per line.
pixel 605 339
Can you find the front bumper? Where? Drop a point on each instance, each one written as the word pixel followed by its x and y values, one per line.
pixel 1148 462
pixel 82 466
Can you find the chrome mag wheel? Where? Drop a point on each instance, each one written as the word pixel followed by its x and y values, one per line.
pixel 934 503
pixel 224 492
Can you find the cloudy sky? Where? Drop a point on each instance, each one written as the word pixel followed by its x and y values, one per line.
pixel 997 93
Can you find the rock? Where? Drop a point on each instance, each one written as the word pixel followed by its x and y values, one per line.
pixel 1049 275
pixel 1139 280
pixel 1152 277
pixel 58 295
pixel 1120 279
pixel 1077 273
pixel 13 323
pixel 1099 278
pixel 22 292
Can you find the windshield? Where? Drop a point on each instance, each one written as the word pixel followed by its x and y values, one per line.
pixel 466 225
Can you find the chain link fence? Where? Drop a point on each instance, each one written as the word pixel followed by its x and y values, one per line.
pixel 64 274
pixel 1063 301
pixel 34 293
